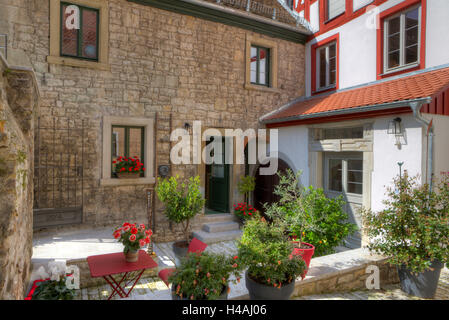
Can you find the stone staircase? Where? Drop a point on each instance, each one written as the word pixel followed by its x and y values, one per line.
pixel 218 227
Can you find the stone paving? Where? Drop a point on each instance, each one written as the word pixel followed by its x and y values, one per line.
pixel 390 292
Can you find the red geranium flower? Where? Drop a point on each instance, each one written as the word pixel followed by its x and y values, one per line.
pixel 132 238
pixel 134 230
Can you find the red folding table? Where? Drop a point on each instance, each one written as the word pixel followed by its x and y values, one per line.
pixel 107 265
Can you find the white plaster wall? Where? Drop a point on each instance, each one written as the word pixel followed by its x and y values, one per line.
pixel 293 148
pixel 437 33
pixel 441 143
pixel 315 16
pixel 386 155
pixel 357 4
pixel 358 44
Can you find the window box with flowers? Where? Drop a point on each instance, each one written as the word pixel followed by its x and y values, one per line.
pixel 134 237
pixel 128 168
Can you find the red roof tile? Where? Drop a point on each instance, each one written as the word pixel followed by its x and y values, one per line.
pixel 415 86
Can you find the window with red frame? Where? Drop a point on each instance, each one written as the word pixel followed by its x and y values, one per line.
pixel 326 67
pixel 334 8
pixel 402 40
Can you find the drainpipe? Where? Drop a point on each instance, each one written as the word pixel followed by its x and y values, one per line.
pixel 416 106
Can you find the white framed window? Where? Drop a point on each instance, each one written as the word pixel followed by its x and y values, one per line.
pixel 402 40
pixel 335 8
pixel 326 66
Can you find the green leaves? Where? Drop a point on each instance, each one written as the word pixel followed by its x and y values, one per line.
pixel 267 252
pixel 204 276
pixel 53 290
pixel 182 202
pixel 413 229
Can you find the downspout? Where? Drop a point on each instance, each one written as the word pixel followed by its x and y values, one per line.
pixel 416 106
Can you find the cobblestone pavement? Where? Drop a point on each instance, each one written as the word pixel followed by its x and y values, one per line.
pixel 391 292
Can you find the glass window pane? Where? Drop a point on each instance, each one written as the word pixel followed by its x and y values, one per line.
pixel 332 51
pixel 411 36
pixel 323 65
pixel 335 175
pixel 333 77
pixel 394 25
pixel 69 38
pixel 355 165
pixel 118 142
pixel 335 7
pixel 356 188
pixel 262 66
pixel 394 42
pixel 135 142
pixel 89 33
pixel 343 133
pixel 411 54
pixel 393 59
pixel 412 18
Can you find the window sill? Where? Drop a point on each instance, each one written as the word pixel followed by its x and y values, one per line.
pixel 126 182
pixel 71 62
pixel 250 86
pixel 400 69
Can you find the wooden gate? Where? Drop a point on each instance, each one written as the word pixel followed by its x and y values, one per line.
pixel 59 173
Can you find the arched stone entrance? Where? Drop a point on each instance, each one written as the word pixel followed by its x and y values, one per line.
pixel 265 184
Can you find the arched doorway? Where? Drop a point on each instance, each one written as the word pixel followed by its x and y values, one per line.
pixel 265 184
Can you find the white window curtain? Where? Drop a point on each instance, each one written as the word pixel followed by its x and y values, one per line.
pixel 335 7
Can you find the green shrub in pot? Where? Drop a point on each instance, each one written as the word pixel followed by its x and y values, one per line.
pixel 413 231
pixel 204 276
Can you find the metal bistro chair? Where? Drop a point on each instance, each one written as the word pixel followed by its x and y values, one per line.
pixel 195 245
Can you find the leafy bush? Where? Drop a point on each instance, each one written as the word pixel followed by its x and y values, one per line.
pixel 267 252
pixel 413 229
pixel 246 185
pixel 308 215
pixel 204 276
pixel 332 221
pixel 53 290
pixel 182 202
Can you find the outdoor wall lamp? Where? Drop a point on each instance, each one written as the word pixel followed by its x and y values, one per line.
pixel 395 127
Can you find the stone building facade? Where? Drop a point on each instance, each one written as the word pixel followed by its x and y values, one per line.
pixel 157 68
pixel 19 98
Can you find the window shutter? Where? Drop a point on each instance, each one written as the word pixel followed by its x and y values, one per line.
pixel 335 7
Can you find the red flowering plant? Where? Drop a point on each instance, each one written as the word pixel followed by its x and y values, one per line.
pixel 131 165
pixel 205 276
pixel 133 236
pixel 244 211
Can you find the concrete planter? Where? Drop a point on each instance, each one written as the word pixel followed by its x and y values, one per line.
pixel 258 291
pixel 424 284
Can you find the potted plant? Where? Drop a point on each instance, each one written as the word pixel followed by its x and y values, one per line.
pixel 244 211
pixel 413 231
pixel 51 290
pixel 332 225
pixel 133 237
pixel 292 211
pixel 204 276
pixel 182 202
pixel 269 255
pixel 245 186
pixel 128 168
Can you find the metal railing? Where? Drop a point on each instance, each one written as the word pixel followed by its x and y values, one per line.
pixel 4 45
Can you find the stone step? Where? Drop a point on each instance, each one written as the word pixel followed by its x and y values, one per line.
pixel 221 226
pixel 208 237
pixel 222 217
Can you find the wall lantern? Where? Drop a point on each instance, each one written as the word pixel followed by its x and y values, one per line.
pixel 395 127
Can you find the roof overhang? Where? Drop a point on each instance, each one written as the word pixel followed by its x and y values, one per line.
pixel 371 109
pixel 237 18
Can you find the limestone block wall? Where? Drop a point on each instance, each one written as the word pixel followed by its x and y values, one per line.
pixel 18 102
pixel 179 67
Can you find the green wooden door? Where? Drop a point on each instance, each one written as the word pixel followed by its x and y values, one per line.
pixel 218 195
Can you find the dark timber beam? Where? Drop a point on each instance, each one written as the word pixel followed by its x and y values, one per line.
pixel 231 17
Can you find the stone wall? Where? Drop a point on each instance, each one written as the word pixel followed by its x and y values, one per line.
pixel 18 102
pixel 179 67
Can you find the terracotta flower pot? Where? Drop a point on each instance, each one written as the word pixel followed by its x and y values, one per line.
pixel 128 175
pixel 132 256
